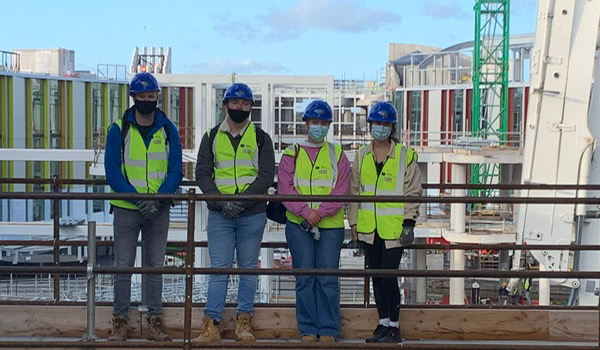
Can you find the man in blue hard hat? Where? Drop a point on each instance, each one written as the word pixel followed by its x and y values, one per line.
pixel 235 157
pixel 143 155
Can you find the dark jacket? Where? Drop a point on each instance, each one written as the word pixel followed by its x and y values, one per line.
pixel 264 180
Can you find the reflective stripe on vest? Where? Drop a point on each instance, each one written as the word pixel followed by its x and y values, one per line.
pixel 144 168
pixel 386 217
pixel 319 178
pixel 235 169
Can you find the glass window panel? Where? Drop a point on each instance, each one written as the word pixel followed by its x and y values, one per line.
pixel 115 109
pixel 38 101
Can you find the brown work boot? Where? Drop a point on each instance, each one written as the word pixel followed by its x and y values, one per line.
pixel 243 328
pixel 119 329
pixel 326 339
pixel 209 332
pixel 156 329
pixel 309 338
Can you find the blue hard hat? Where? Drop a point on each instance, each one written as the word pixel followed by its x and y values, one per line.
pixel 318 110
pixel 383 112
pixel 143 82
pixel 239 91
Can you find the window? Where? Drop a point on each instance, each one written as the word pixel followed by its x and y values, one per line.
pixel 415 117
pixel 37 99
pixel 458 111
pixel 97 122
pixel 55 115
pixel 517 118
pixel 398 102
pixel 115 109
pixel 174 106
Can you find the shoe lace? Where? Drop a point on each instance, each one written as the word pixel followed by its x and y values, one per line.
pixel 157 324
pixel 205 326
pixel 245 325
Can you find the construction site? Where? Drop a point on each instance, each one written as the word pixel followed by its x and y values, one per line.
pixel 504 131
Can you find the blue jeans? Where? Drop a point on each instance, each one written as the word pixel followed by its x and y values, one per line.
pixel 242 235
pixel 317 297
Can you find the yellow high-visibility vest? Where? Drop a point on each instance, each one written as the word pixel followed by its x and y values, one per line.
pixel 235 169
pixel 318 178
pixel 383 217
pixel 144 168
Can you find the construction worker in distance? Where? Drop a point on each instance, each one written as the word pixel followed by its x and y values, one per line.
pixel 315 231
pixel 235 157
pixel 143 155
pixel 503 293
pixel 384 167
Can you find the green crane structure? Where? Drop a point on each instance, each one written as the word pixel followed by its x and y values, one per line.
pixel 490 82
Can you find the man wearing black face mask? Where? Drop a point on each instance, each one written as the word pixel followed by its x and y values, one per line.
pixel 143 155
pixel 234 157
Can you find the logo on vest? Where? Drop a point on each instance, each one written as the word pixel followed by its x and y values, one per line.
pixel 388 179
pixel 246 150
pixel 323 171
pixel 157 141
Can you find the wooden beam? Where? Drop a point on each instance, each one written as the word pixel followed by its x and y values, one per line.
pixel 357 323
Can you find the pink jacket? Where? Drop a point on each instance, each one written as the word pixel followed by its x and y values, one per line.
pixel 285 184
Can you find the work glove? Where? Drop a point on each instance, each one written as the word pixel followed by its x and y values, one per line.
pixel 357 245
pixel 230 210
pixel 408 233
pixel 149 209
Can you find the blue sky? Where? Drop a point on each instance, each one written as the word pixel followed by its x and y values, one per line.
pixel 344 38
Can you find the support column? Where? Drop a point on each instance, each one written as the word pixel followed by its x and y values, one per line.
pixel 544 297
pixel 457 257
pixel 421 265
pixel 266 261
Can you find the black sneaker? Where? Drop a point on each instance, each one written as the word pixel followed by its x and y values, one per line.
pixel 392 335
pixel 378 333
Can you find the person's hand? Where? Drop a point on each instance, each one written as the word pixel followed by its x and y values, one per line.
pixel 408 236
pixel 313 218
pixel 230 210
pixel 354 232
pixel 149 209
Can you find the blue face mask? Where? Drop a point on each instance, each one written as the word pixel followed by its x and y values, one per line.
pixel 381 132
pixel 318 132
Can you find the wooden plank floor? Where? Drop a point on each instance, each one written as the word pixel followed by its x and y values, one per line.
pixel 357 323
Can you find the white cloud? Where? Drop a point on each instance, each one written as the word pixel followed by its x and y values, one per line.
pixel 346 16
pixel 224 66
pixel 445 9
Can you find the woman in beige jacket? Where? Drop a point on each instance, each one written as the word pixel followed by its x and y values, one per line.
pixel 384 167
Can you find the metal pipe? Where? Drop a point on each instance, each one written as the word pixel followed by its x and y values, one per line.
pixel 91 282
pixel 89 182
pixel 421 246
pixel 56 231
pixel 189 269
pixel 300 198
pixel 290 345
pixel 301 272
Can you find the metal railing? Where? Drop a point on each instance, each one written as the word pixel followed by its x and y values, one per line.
pixel 190 244
pixel 10 61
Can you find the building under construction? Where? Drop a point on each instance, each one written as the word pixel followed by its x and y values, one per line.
pixel 506 149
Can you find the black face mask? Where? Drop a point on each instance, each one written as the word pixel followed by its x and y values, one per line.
pixel 238 116
pixel 145 107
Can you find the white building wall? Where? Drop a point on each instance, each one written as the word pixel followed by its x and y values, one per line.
pixel 435 117
pixel 78 208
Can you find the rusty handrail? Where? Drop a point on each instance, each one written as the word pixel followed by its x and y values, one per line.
pixel 298 198
pixel 588 187
pixel 435 246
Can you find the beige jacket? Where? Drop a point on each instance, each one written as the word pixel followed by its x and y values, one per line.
pixel 412 185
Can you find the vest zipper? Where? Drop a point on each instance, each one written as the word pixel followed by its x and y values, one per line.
pixel 376 183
